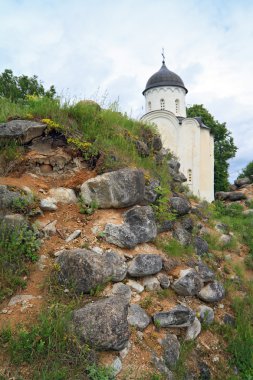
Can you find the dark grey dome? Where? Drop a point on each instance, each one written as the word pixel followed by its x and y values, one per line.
pixel 164 77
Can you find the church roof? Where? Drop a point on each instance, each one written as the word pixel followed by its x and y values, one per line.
pixel 164 77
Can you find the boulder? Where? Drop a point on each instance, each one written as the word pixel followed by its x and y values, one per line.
pixel 188 284
pixel 171 347
pixel 222 195
pixel 121 188
pixel 142 148
pixel 174 164
pixel 242 181
pixel 212 292
pixel 193 330
pixel 145 265
pixel 48 204
pixel 206 314
pixel 204 272
pixel 180 205
pixel 236 196
pixel 182 235
pixel 23 131
pixel 139 227
pixel 103 324
pixel 179 316
pixel 85 269
pixel 201 246
pixel 157 143
pixel 63 195
pixel 166 225
pixel 9 196
pixel 138 317
pixel 150 193
pixel 187 223
pixel 121 290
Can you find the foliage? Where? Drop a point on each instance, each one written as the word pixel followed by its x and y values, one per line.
pixel 19 88
pixel 87 209
pixel 161 206
pixel 172 247
pixel 100 373
pixel 10 151
pixel 247 171
pixel 224 147
pixel 18 246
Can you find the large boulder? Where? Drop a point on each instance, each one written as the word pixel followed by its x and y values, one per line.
pixel 180 205
pixel 179 316
pixel 212 292
pixel 84 269
pixel 121 188
pixel 103 324
pixel 230 196
pixel 242 181
pixel 145 265
pixel 188 284
pixel 22 130
pixel 139 227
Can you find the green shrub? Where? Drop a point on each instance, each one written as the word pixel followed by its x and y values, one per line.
pixel 173 248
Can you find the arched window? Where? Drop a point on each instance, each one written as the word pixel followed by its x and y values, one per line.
pixel 149 106
pixel 177 104
pixel 189 175
pixel 162 103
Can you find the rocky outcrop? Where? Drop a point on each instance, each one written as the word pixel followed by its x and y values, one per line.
pixel 139 227
pixel 103 324
pixel 84 269
pixel 179 316
pixel 22 130
pixel 145 265
pixel 121 188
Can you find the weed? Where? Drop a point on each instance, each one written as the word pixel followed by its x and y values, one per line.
pixel 100 373
pixel 161 206
pixel 164 293
pixel 180 370
pixel 172 247
pixel 84 208
pixel 146 302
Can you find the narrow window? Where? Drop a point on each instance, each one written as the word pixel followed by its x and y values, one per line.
pixel 162 102
pixel 177 106
pixel 149 106
pixel 189 175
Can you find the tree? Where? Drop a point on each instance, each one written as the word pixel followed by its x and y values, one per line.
pixel 247 171
pixel 16 88
pixel 224 147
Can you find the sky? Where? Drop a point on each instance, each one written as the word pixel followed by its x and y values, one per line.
pixel 106 50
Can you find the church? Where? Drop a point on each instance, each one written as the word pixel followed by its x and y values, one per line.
pixel 187 138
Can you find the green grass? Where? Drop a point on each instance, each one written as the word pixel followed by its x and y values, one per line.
pixel 18 247
pixel 173 248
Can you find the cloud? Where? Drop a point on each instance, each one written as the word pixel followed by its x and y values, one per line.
pixel 84 45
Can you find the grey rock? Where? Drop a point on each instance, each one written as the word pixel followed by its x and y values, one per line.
pixel 151 283
pixel 21 298
pixel 160 365
pixel 193 330
pixel 201 246
pixel 86 269
pixel 48 204
pixel 188 284
pixel 165 226
pixel 142 148
pixel 242 181
pixel 73 236
pixel 187 223
pixel 179 316
pixel 139 227
pixel 225 239
pixel 164 280
pixel 204 272
pixel 136 286
pixel 236 196
pixel 14 220
pixel 121 188
pixel 180 205
pixel 222 195
pixel 248 212
pixel 22 130
pixel 103 324
pixel 121 290
pixel 171 348
pixel 204 371
pixel 174 164
pixel 229 320
pixel 138 317
pixel 206 314
pixel 179 177
pixel 63 195
pixel 212 292
pixel 221 227
pixel 145 265
pixel 7 197
pixel 182 235
pixel 150 193
pixel 157 143
pixel 116 366
pixel 50 228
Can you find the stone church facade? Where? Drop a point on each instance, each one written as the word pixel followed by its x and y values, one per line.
pixel 188 138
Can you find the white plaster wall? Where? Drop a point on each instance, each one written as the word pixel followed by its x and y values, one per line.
pixel 170 94
pixel 207 165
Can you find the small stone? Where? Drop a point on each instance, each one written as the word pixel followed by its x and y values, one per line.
pixel 221 306
pixel 151 283
pixel 145 265
pixel 73 236
pixel 97 250
pixel 50 228
pixel 216 359
pixel 193 330
pixel 225 239
pixel 123 353
pixel 140 335
pixel 188 284
pixel 122 290
pixel 20 299
pixel 229 320
pixel 135 286
pixel 164 280
pixel 116 366
pixel 58 253
pixel 212 292
pixel 206 314
pixel 179 316
pixel 63 195
pixel 138 317
pixel 4 311
pixel 48 204
pixel 66 290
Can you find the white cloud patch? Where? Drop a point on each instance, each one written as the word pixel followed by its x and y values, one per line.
pixel 83 45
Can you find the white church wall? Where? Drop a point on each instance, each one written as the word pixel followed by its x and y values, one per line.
pixel 207 165
pixel 173 100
